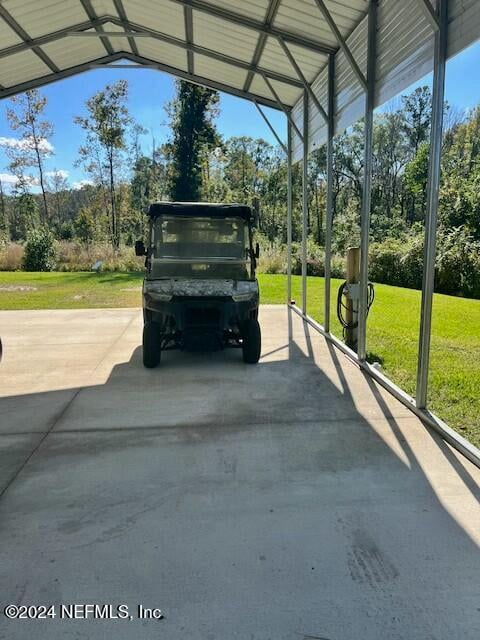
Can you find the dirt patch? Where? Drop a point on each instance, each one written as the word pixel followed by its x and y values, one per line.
pixel 18 287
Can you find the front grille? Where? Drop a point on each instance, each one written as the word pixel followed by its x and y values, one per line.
pixel 201 317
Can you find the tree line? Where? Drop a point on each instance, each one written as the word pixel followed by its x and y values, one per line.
pixel 196 163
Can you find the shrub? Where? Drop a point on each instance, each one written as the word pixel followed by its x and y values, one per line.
pixel 315 258
pixel 458 263
pixel 273 259
pixel 11 257
pixel 411 264
pixel 76 256
pixel 385 261
pixel 40 250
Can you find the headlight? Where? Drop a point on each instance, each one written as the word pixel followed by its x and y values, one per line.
pixel 245 291
pixel 159 291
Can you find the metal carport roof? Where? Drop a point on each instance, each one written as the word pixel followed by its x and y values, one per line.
pixel 263 50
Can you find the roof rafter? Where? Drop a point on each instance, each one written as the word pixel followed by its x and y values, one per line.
pixel 205 82
pixel 270 126
pixel 90 11
pixel 188 17
pixel 140 61
pixel 342 43
pixel 59 75
pixel 262 39
pixel 305 82
pixel 255 25
pixel 141 31
pixel 282 106
pixel 120 9
pixel 430 14
pixel 50 37
pixel 23 35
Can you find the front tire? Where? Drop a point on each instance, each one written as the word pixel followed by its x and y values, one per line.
pixel 151 345
pixel 252 341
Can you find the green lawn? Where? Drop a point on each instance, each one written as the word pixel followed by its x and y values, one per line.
pixel 76 290
pixel 392 330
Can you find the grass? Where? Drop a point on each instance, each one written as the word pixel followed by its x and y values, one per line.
pixel 72 290
pixel 392 329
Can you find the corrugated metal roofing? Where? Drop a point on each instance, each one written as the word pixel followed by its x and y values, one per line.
pixel 235 41
pixel 44 16
pixel 230 46
pixel 404 55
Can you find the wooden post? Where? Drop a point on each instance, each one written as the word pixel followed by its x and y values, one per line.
pixel 351 313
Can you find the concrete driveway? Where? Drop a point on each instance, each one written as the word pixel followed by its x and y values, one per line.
pixel 289 500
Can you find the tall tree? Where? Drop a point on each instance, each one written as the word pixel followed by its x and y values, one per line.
pixel 4 230
pixel 192 113
pixel 58 187
pixel 26 117
pixel 417 113
pixel 106 126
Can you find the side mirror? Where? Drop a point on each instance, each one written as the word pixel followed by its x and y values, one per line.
pixel 140 248
pixel 257 250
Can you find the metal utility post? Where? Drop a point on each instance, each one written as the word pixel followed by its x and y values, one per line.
pixel 329 216
pixel 367 180
pixel 305 203
pixel 433 183
pixel 351 304
pixel 289 212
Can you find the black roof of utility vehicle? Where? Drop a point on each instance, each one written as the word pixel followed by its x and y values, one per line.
pixel 206 209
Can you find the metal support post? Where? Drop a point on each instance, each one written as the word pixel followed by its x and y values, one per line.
pixel 433 183
pixel 305 202
pixel 367 180
pixel 289 212
pixel 329 216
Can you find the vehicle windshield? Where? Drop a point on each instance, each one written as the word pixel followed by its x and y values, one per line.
pixel 200 248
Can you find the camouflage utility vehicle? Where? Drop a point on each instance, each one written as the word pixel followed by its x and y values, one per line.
pixel 200 291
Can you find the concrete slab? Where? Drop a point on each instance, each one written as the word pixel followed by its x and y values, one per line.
pixel 292 499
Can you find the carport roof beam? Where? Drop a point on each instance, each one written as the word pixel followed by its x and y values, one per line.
pixel 90 11
pixel 204 82
pixel 188 17
pixel 270 126
pixel 142 32
pixel 282 106
pixel 120 9
pixel 255 25
pixel 342 43
pixel 123 55
pixel 305 82
pixel 262 39
pixel 23 35
pixel 54 35
pixel 430 14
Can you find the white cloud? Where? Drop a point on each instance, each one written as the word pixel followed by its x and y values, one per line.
pixel 27 144
pixel 8 178
pixel 61 173
pixel 82 183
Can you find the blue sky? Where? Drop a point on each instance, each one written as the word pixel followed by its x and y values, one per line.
pixel 150 90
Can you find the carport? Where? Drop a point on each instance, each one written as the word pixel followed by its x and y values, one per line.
pixel 310 498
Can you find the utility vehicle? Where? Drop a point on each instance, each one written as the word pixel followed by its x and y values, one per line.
pixel 200 290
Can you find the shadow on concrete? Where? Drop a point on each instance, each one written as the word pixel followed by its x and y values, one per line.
pixel 289 499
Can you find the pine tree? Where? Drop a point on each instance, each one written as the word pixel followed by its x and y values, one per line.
pixel 192 114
